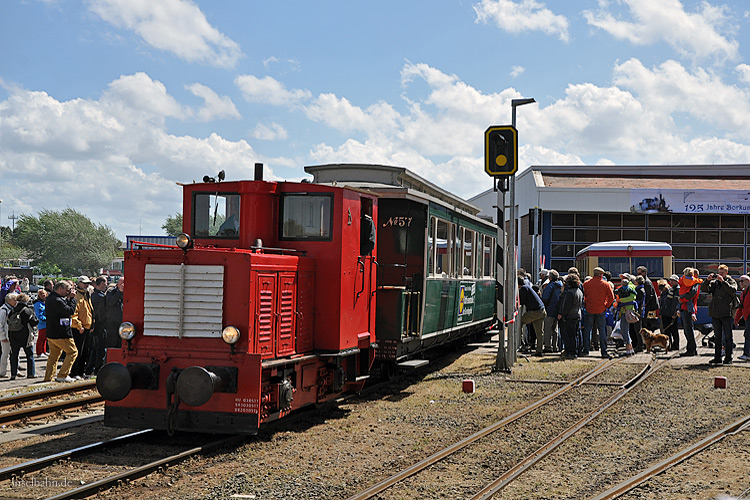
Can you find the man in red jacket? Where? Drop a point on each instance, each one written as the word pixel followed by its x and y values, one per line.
pixel 597 296
pixel 743 312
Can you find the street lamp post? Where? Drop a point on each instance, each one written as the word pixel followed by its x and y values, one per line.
pixel 511 269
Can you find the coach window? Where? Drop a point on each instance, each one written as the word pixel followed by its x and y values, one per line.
pixel 460 252
pixel 306 216
pixel 443 254
pixel 489 249
pixel 431 248
pixel 216 215
pixel 468 264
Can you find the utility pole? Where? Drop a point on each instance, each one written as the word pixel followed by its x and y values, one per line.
pixel 511 285
pixel 13 219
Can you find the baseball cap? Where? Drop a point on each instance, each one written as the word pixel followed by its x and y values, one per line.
pixel 674 277
pixel 83 279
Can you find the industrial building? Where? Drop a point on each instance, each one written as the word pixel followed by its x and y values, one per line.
pixel 701 210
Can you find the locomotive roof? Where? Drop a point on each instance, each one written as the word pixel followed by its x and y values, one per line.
pixel 387 179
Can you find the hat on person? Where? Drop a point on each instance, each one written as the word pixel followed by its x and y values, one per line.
pixel 598 270
pixel 83 279
pixel 543 271
pixel 674 277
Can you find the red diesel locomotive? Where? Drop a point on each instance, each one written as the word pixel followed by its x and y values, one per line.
pixel 267 304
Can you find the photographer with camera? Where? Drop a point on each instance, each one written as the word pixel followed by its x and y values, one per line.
pixel 723 290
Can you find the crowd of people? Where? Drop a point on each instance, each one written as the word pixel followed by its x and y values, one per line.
pixel 76 322
pixel 573 316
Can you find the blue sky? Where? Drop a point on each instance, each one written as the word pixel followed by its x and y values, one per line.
pixel 105 105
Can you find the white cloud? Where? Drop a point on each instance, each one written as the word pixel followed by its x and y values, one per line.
pixel 744 72
pixel 340 114
pixel 214 106
pixel 271 132
pixel 176 26
pixel 695 35
pixel 670 88
pixel 290 64
pixel 517 71
pixel 116 148
pixel 526 15
pixel 633 121
pixel 269 90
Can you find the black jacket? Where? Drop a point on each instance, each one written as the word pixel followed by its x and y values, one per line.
pixel 59 310
pixel 99 306
pixel 651 302
pixel 114 306
pixel 723 296
pixel 529 298
pixel 670 302
pixel 571 302
pixel 20 337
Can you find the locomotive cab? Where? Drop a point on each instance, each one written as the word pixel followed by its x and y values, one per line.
pixel 267 306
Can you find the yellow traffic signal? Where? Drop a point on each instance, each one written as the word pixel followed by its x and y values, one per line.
pixel 501 150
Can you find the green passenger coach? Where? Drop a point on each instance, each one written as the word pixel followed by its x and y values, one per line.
pixel 435 260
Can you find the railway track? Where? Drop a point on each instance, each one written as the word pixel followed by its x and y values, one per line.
pixel 464 443
pixel 20 472
pixel 41 407
pixel 501 482
pixel 620 489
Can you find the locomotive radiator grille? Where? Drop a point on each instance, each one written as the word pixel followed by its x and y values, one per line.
pixel 183 300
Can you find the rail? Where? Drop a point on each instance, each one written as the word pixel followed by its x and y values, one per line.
pixel 513 473
pixel 627 485
pixel 410 471
pixel 144 470
pixel 46 393
pixel 48 409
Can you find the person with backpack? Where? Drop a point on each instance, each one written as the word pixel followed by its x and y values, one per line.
pixel 5 310
pixel 22 332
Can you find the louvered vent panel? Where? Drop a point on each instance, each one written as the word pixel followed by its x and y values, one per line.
pixel 183 301
pixel 265 321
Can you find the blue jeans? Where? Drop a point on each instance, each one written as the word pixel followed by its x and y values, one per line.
pixel 600 321
pixel 14 352
pixel 687 325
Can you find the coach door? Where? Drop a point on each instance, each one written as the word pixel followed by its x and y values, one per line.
pixel 275 314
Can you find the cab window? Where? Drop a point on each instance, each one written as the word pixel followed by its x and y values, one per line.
pixel 306 217
pixel 216 215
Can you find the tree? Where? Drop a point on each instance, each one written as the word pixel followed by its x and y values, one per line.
pixel 67 239
pixel 173 225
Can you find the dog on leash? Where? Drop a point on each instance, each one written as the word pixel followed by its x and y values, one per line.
pixel 652 339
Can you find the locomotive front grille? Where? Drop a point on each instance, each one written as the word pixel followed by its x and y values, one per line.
pixel 183 300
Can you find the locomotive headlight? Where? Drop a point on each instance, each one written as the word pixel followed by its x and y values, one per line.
pixel 184 241
pixel 126 331
pixel 230 335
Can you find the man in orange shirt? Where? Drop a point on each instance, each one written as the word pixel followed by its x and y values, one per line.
pixel 597 296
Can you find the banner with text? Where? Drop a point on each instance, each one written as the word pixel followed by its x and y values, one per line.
pixel 713 201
